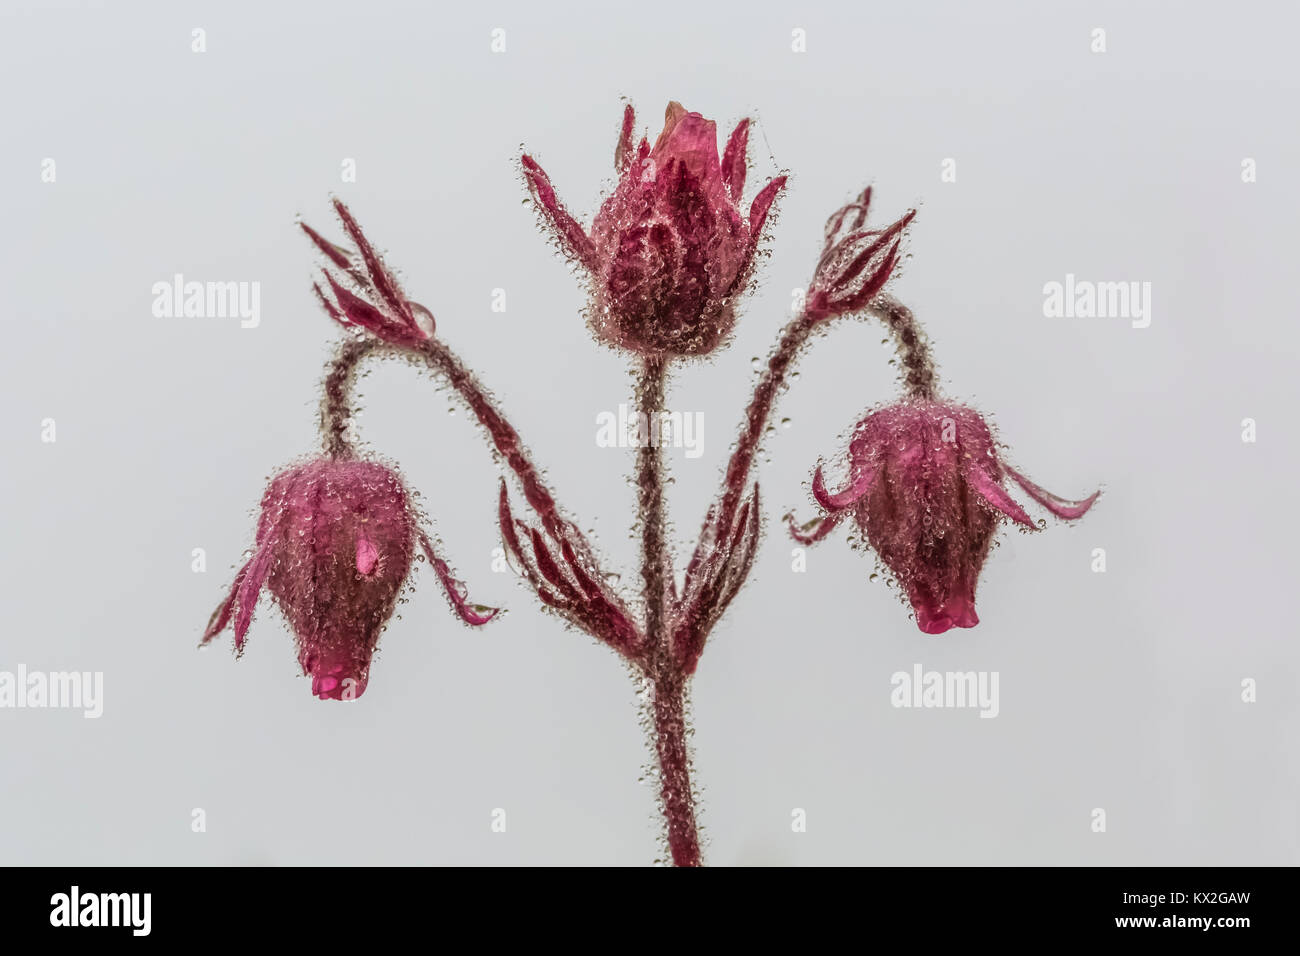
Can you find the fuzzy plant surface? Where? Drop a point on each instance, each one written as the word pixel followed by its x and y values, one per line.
pixel 668 258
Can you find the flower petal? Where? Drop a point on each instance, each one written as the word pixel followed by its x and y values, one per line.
pixel 336 254
pixel 572 236
pixel 472 614
pixel 691 140
pixel 330 310
pixel 733 160
pixel 855 213
pixel 758 210
pixel 1069 510
pixel 821 527
pixel 859 485
pixel 360 312
pixel 550 569
pixel 991 490
pixel 956 610
pixel 249 589
pixel 381 280
pixel 623 151
pixel 367 555
pixel 872 251
pixel 221 616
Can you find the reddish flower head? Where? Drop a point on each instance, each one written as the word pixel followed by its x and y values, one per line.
pixel 334 545
pixel 671 249
pixel 925 487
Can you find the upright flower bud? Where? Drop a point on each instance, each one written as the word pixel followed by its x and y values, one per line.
pixel 671 248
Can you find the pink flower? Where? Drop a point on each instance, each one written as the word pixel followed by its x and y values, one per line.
pixel 334 545
pixel 671 249
pixel 925 486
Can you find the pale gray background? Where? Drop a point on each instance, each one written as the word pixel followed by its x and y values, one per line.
pixel 1119 691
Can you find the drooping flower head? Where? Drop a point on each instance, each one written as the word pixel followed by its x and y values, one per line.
pixel 925 486
pixel 334 545
pixel 671 249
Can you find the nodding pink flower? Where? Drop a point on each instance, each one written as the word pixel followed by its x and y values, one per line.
pixel 334 546
pixel 671 248
pixel 925 486
pixel 380 308
pixel 855 263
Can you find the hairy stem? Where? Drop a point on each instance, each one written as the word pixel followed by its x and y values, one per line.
pixel 507 441
pixel 336 402
pixel 912 345
pixel 792 340
pixel 656 574
pixel 918 378
pixel 678 803
pixel 669 683
pixel 336 413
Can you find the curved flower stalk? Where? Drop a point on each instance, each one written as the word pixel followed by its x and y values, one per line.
pixel 391 323
pixel 848 279
pixel 668 258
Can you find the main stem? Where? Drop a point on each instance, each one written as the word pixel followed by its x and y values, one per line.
pixel 665 674
pixel 666 677
pixel 655 571
pixel 676 800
